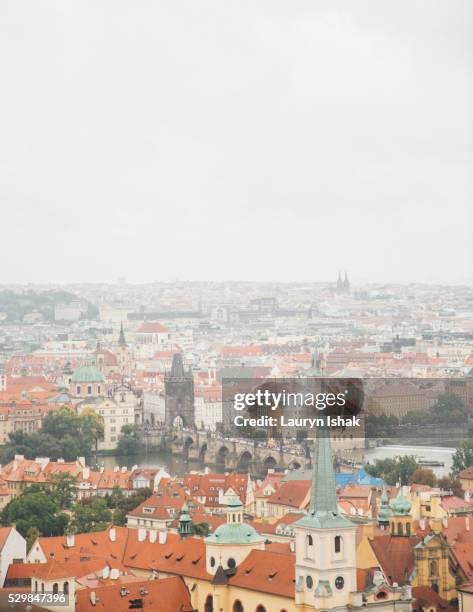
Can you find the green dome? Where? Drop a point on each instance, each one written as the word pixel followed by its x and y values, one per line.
pixel 87 374
pixel 400 505
pixel 237 533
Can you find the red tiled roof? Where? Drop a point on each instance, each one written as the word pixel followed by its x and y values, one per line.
pixel 152 327
pixel 267 572
pixel 165 595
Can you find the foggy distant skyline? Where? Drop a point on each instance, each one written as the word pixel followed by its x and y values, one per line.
pixel 268 141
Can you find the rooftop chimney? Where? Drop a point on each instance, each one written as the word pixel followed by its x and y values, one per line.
pixel 152 536
pixel 163 536
pixel 106 572
pixel 70 540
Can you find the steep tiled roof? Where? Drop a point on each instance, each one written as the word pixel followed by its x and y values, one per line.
pixel 267 572
pixel 395 555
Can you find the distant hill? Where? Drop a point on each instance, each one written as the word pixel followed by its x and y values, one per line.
pixel 32 305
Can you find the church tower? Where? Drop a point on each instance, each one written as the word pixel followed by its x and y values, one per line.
pixel 123 354
pixel 346 284
pixel 384 513
pixel 179 395
pixel 325 541
pixel 185 522
pixel 401 519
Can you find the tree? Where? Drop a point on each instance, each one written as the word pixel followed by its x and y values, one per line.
pixel 200 529
pixel 449 410
pixel 31 536
pixel 35 509
pixel 91 514
pixel 91 426
pixel 450 484
pixel 399 469
pixel 62 490
pixel 463 456
pixel 129 441
pixel 424 476
pixel 122 505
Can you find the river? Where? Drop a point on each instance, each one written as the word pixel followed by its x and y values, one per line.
pixel 177 466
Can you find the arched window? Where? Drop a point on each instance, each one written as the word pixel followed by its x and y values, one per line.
pixel 260 608
pixel 55 588
pixel 309 582
pixel 35 586
pixel 337 542
pixel 408 529
pixel 65 588
pixel 209 604
pixel 399 529
pixel 237 606
pixel 433 570
pixel 309 547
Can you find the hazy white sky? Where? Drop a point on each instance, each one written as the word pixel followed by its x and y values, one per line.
pixel 268 140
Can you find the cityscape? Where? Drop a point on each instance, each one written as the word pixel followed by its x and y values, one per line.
pixel 124 481
pixel 236 306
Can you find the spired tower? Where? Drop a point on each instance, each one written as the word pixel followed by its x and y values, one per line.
pixel 384 513
pixel 325 542
pixel 123 353
pixel 185 522
pixel 179 395
pixel 401 519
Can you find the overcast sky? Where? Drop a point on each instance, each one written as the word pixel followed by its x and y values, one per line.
pixel 259 140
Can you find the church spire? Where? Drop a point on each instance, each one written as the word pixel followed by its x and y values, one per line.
pixel 121 337
pixel 323 509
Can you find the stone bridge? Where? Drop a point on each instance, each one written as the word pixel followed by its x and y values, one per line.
pixel 242 455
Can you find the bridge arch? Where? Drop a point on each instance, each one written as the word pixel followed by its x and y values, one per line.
pixel 222 455
pixel 202 451
pixel 270 462
pixel 244 461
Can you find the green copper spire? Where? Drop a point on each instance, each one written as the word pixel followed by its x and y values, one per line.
pixel 384 513
pixel 323 509
pixel 185 522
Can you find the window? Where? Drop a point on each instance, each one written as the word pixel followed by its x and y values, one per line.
pixel 309 582
pixel 339 582
pixel 399 529
pixel 231 563
pixel 65 588
pixel 55 588
pixel 209 604
pixel 98 389
pixel 338 544
pixel 78 389
pixel 309 547
pixel 212 561
pixel 408 529
pixel 35 586
pixel 237 606
pixel 260 608
pixel 433 569
pixel 89 390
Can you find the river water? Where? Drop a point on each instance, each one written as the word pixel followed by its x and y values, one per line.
pixel 177 466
